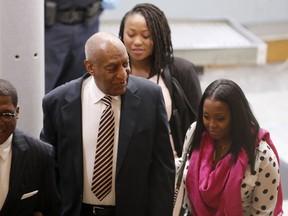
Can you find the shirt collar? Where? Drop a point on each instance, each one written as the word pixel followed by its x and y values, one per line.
pixel 5 148
pixel 95 93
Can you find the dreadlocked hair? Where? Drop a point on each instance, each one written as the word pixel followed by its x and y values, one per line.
pixel 160 33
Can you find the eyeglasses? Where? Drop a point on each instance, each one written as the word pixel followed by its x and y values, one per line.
pixel 7 117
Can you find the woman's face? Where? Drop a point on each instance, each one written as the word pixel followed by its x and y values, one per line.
pixel 217 119
pixel 136 37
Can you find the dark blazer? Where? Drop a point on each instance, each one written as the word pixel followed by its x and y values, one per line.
pixel 145 169
pixel 32 169
pixel 185 73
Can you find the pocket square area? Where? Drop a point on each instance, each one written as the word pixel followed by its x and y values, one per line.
pixel 27 195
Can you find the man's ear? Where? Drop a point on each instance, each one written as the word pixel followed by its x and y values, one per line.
pixel 17 112
pixel 88 66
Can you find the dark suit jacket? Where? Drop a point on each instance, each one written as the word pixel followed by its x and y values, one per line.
pixel 185 73
pixel 32 169
pixel 145 164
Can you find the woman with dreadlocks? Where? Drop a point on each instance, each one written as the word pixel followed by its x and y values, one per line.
pixel 146 34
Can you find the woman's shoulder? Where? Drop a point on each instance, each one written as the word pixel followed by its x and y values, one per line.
pixel 184 70
pixel 264 150
pixel 190 130
pixel 181 64
pixel 179 61
pixel 265 157
pixel 188 136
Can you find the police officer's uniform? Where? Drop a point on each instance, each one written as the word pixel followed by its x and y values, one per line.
pixel 68 25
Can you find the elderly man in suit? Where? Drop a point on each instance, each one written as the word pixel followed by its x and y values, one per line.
pixel 27 175
pixel 142 160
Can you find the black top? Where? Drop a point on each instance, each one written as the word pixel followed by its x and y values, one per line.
pixel 185 73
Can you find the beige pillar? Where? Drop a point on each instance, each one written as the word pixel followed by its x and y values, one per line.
pixel 22 57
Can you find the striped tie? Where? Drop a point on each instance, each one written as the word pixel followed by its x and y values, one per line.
pixel 102 174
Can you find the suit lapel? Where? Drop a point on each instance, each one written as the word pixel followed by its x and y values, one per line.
pixel 18 164
pixel 73 125
pixel 129 105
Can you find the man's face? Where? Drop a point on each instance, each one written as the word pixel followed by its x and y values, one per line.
pixel 7 127
pixel 111 70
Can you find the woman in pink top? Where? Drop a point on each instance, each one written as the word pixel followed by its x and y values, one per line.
pixel 233 167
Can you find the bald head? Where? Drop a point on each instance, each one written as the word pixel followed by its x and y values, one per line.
pixel 108 62
pixel 99 44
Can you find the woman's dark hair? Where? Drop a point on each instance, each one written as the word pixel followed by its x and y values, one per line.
pixel 244 126
pixel 7 89
pixel 160 32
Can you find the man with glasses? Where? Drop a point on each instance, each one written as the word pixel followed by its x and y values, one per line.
pixel 27 178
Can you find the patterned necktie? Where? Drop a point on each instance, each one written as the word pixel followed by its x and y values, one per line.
pixel 102 174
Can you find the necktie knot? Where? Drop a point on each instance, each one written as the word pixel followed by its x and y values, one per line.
pixel 107 100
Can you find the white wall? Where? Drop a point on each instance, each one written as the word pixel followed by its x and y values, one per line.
pixel 22 57
pixel 244 11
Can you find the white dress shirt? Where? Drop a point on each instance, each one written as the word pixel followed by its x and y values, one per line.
pixel 92 108
pixel 5 166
